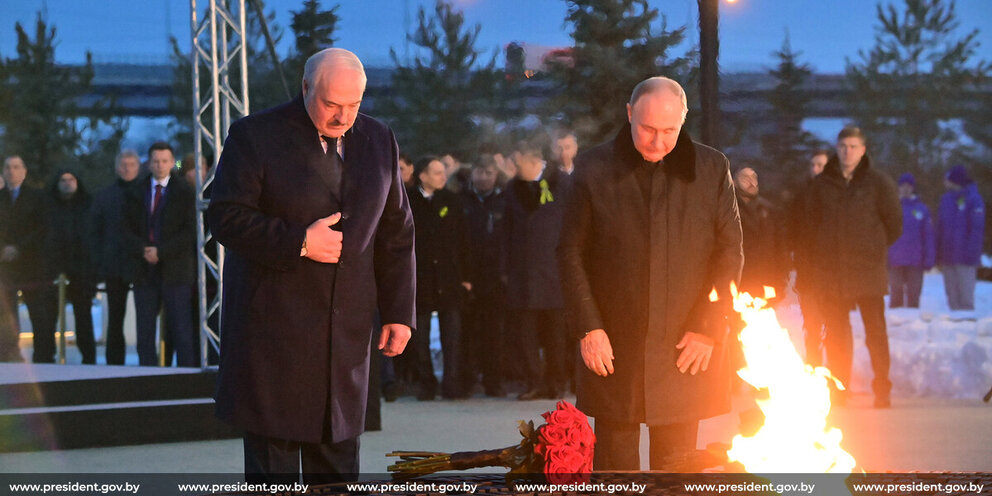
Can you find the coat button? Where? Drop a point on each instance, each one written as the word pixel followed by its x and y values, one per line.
pixel 334 311
pixel 435 262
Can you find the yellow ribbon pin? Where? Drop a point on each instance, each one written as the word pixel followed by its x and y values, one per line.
pixel 443 212
pixel 546 196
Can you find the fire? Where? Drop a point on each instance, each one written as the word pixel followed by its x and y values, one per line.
pixel 795 436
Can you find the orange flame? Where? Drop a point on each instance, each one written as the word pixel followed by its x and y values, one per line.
pixel 795 436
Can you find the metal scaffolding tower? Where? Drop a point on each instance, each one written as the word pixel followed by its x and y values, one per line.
pixel 220 89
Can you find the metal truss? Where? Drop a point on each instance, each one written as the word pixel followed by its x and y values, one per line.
pixel 219 57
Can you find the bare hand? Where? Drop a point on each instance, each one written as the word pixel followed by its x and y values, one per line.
pixel 151 255
pixel 597 353
pixel 393 339
pixel 323 243
pixel 467 285
pixel 696 352
pixel 9 254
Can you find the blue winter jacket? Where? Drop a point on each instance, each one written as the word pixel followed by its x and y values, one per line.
pixel 960 227
pixel 916 247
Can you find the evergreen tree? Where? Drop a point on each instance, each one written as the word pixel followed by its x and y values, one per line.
pixel 39 115
pixel 314 31
pixel 617 45
pixel 911 83
pixel 787 147
pixel 434 102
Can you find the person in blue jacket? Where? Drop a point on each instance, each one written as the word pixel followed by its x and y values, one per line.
pixel 960 230
pixel 914 252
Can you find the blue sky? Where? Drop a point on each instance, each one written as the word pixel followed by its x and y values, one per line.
pixel 825 31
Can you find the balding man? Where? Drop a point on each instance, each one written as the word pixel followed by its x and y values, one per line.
pixel 650 229
pixel 309 202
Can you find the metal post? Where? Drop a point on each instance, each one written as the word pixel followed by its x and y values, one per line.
pixel 63 325
pixel 218 45
pixel 709 82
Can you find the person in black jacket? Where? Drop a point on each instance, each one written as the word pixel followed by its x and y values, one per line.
pixel 442 274
pixel 68 251
pixel 801 245
pixel 535 202
pixel 112 265
pixel 22 264
pixel 482 329
pixel 160 235
pixel 854 216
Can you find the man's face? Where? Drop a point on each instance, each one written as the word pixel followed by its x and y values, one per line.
pixel 451 164
pixel 14 172
pixel 655 122
pixel 565 148
pixel 816 164
pixel 484 178
pixel 127 168
pixel 905 190
pixel 333 101
pixel 529 167
pixel 433 176
pixel 849 151
pixel 406 171
pixel 68 184
pixel 746 181
pixel 160 163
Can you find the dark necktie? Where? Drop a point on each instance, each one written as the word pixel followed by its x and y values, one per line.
pixel 334 163
pixel 156 203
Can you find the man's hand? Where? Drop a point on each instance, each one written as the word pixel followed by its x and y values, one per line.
pixel 696 351
pixel 467 285
pixel 597 353
pixel 151 255
pixel 393 339
pixel 324 244
pixel 9 254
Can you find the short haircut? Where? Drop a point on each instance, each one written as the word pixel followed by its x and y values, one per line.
pixel 485 161
pixel 127 153
pixel 329 58
pixel 405 158
pixel 160 145
pixel 530 149
pixel 820 151
pixel 658 83
pixel 852 132
pixel 12 157
pixel 421 165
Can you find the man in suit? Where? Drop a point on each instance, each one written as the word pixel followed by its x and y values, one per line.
pixel 309 202
pixel 23 215
pixel 650 229
pixel 113 266
pixel 160 237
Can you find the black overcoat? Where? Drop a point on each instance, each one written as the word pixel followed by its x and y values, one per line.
pixel 852 224
pixel 642 269
pixel 295 334
pixel 23 224
pixel 177 245
pixel 443 252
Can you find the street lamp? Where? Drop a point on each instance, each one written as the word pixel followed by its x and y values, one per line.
pixel 709 83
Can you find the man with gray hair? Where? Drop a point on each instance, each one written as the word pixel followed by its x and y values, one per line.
pixel 309 202
pixel 651 228
pixel 112 264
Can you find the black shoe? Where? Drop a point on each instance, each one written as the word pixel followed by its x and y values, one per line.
pixel 553 393
pixel 427 393
pixel 496 392
pixel 391 392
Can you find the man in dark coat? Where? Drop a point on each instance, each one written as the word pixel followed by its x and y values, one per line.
pixel 316 241
pixel 443 261
pixel 764 257
pixel 651 229
pixel 800 243
pixel 160 238
pixel 112 264
pixel 23 216
pixel 68 251
pixel 854 216
pixel 535 205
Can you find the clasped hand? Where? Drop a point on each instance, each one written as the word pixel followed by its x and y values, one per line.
pixel 324 243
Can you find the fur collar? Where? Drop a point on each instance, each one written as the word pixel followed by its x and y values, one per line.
pixel 680 162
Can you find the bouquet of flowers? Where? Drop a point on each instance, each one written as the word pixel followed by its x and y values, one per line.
pixel 561 449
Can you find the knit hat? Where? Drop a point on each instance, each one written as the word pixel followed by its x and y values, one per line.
pixel 907 178
pixel 959 175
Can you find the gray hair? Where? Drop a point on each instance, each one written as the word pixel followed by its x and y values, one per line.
pixel 329 58
pixel 127 153
pixel 657 83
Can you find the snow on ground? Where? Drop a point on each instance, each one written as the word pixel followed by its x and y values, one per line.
pixel 934 352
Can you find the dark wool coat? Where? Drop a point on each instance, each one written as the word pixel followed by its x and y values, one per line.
pixel 23 224
pixel 851 226
pixel 443 255
pixel 296 333
pixel 764 251
pixel 642 269
pixel 68 248
pixel 105 224
pixel 531 233
pixel 177 239
pixel 484 216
